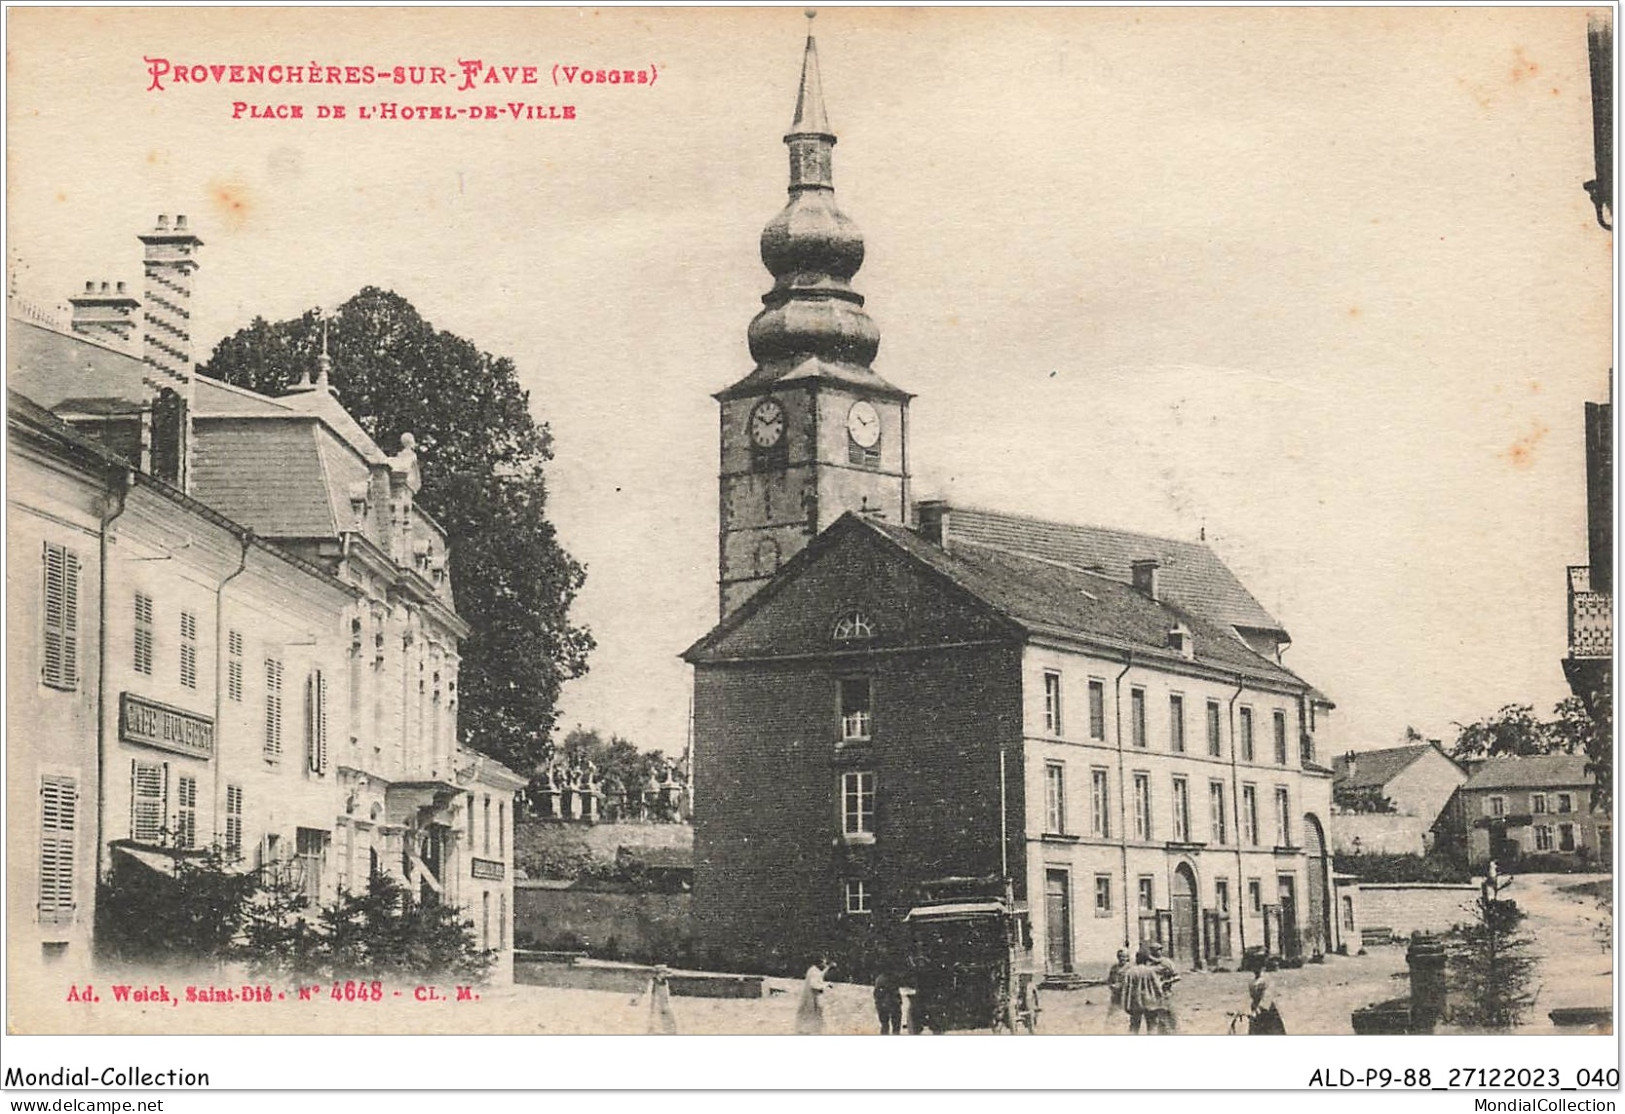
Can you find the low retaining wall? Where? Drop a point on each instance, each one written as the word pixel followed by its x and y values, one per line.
pixel 1407 907
pixel 639 927
pixel 551 969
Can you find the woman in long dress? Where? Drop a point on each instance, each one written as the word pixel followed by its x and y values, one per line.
pixel 810 1013
pixel 1264 1014
pixel 661 1019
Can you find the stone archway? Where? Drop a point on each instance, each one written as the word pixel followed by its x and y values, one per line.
pixel 1318 919
pixel 1186 945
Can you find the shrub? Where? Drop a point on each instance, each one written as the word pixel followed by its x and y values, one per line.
pixel 1434 867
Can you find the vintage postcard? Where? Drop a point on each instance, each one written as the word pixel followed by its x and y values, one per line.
pixel 1065 521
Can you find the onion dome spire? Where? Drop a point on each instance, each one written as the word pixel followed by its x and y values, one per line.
pixel 812 250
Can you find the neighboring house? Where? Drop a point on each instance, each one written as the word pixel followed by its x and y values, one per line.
pixel 1099 718
pixel 267 612
pixel 1512 808
pixel 1416 782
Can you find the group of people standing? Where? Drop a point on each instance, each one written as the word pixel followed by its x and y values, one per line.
pixel 1144 991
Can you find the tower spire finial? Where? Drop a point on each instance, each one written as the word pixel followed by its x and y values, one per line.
pixel 810 117
pixel 324 362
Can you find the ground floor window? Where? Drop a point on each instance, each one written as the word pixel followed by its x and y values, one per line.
pixel 1566 840
pixel 1255 895
pixel 310 847
pixel 1103 895
pixel 1543 837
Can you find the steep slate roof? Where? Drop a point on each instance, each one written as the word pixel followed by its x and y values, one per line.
pixel 1041 598
pixel 1536 771
pixel 1375 768
pixel 49 365
pixel 266 475
pixel 1191 573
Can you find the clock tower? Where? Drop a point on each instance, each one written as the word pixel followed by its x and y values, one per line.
pixel 813 431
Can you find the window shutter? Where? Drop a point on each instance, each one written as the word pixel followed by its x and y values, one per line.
pixel 59 799
pixel 149 800
pixel 316 722
pixel 60 665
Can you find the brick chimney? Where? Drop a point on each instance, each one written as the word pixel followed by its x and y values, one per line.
pixel 169 262
pixel 933 521
pixel 1146 577
pixel 104 315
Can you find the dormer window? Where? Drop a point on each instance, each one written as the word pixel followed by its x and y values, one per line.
pixel 853 626
pixel 358 499
pixel 1181 642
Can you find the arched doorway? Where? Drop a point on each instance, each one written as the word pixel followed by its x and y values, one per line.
pixel 1186 939
pixel 1318 923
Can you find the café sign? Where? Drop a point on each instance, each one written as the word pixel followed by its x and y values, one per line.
pixel 152 724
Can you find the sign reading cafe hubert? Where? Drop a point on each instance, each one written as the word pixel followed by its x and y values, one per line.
pixel 158 725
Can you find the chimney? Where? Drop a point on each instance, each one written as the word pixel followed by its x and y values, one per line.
pixel 1145 577
pixel 1350 764
pixel 169 262
pixel 104 315
pixel 933 519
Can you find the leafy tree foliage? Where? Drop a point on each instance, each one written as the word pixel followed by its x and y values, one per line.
pixel 482 456
pixel 195 910
pixel 1512 732
pixel 1362 799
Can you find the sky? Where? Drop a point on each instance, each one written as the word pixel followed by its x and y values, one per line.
pixel 1321 282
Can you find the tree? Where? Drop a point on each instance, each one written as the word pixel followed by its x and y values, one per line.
pixel 482 456
pixel 1490 965
pixel 1512 732
pixel 193 910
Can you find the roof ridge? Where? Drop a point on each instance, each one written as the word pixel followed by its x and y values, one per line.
pixel 952 506
pixel 233 388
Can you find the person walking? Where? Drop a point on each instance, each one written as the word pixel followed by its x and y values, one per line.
pixel 1166 1020
pixel 1142 994
pixel 1114 985
pixel 889 1000
pixel 1263 1012
pixel 810 1013
pixel 661 1020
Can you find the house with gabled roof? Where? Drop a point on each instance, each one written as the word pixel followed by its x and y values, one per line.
pixel 1536 805
pixel 1388 801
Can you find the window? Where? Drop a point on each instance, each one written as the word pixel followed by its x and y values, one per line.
pixel 58 847
pixel 1052 703
pixel 1255 895
pixel 853 625
pixel 234 665
pixel 143 634
pixel 1142 806
pixel 858 805
pixel 310 845
pixel 855 709
pixel 1216 813
pixel 1100 819
pixel 234 821
pixel 1565 802
pixel 60 667
pixel 273 710
pixel 149 800
pixel 1097 709
pixel 1176 723
pixel 1537 803
pixel 1221 896
pixel 1214 744
pixel 1136 703
pixel 1495 806
pixel 502 920
pixel 1103 895
pixel 1182 810
pixel 1280 738
pixel 316 723
pixel 1249 814
pixel 1055 798
pixel 185 811
pixel 1147 893
pixel 1543 837
pixel 189 649
pixel 471 820
pixel 502 823
pixel 485 920
pixel 487 812
pixel 1283 817
pixel 857 896
pixel 1566 837
pixel 1348 914
pixel 1247 751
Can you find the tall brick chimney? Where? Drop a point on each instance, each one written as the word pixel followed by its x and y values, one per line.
pixel 166 336
pixel 105 315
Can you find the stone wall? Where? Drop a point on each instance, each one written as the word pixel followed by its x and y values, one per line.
pixel 641 927
pixel 1408 907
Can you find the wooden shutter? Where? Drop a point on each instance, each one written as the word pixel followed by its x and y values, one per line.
pixel 234 820
pixel 149 800
pixel 316 722
pixel 60 668
pixel 59 803
pixel 273 710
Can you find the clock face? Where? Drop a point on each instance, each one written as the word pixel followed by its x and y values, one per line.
pixel 767 424
pixel 863 425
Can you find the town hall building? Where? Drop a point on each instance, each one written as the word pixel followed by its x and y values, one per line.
pixel 899 692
